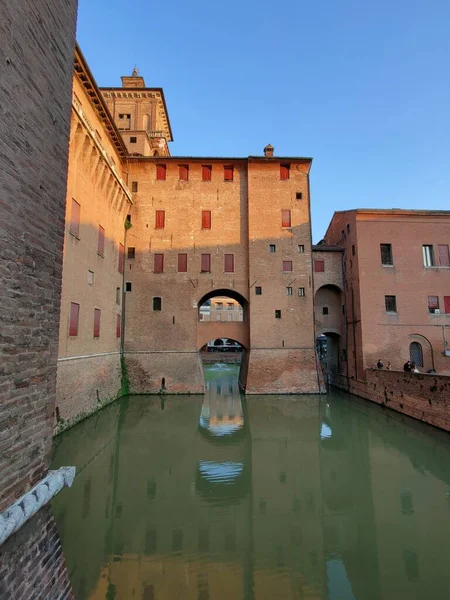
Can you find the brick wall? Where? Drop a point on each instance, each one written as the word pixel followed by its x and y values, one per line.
pixel 36 61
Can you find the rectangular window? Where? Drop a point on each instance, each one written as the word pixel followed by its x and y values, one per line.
pixel 272 248
pixel 444 256
pixel 447 305
pixel 287 266
pixel 90 277
pixel 391 304
pixel 183 172
pixel 258 290
pixel 161 172
pixel 101 241
pixel 218 317
pixel 118 295
pixel 133 139
pixel 74 226
pixel 285 218
pixel 182 263
pixel 228 172
pixel 128 286
pixel 206 219
pixel 121 258
pixel 386 254
pixel 160 219
pixel 205 266
pixel 230 306
pixel 433 304
pixel 319 266
pixel 158 263
pixel 74 318
pixel 288 291
pixel 348 228
pixel 353 250
pixel 229 317
pixel 118 325
pixel 131 252
pixel 219 305
pixel 324 310
pixel 206 172
pixel 97 314
pixel 128 218
pixel 134 186
pixel 301 291
pixel 301 248
pixel 298 195
pixel 157 303
pixel 278 314
pixel 284 171
pixel 428 255
pixel 229 263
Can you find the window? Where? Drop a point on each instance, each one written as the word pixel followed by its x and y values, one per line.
pixel 97 315
pixel 391 304
pixel 444 256
pixel 118 325
pixel 301 248
pixel 133 139
pixel 134 186
pixel 158 263
pixel 160 219
pixel 229 317
pixel 128 286
pixel 287 265
pixel 206 172
pixel 90 277
pixel 406 502
pixel 131 252
pixel 128 218
pixel 229 263
pixel 319 266
pixel 325 310
pixel 183 172
pixel 343 234
pixel 386 254
pixel 447 304
pixel 206 219
pixel 416 353
pixel 433 304
pixel 161 172
pixel 218 316
pixel 182 263
pixel 74 226
pixel 285 218
pixel 121 258
pixel 74 318
pixel 272 248
pixel 258 290
pixel 428 256
pixel 228 172
pixel 101 241
pixel 118 295
pixel 348 228
pixel 410 564
pixel 219 305
pixel 353 250
pixel 298 195
pixel 301 291
pixel 278 314
pixel 205 265
pixel 157 303
pixel 288 291
pixel 284 171
pixel 230 306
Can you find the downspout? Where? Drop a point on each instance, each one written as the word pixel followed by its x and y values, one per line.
pixel 345 317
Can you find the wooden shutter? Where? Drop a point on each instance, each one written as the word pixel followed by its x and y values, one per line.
pixel 74 226
pixel 74 317
pixel 206 219
pixel 121 258
pixel 183 171
pixel 97 313
pixel 160 219
pixel 118 325
pixel 161 172
pixel 206 263
pixel 229 263
pixel 444 256
pixel 447 304
pixel 285 218
pixel 319 266
pixel 158 264
pixel 287 265
pixel 284 172
pixel 206 172
pixel 101 241
pixel 182 263
pixel 228 172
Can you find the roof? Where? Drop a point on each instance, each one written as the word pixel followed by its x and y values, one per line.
pixel 326 248
pixel 224 158
pixel 394 211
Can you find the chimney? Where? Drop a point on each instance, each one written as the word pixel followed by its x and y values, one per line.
pixel 268 151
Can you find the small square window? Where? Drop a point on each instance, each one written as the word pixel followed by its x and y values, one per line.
pixel 91 277
pixel 131 252
pixel 288 291
pixel 287 266
pixel 301 248
pixel 298 195
pixel 324 310
pixel 133 139
pixel 258 290
pixel 301 291
pixel 157 303
pixel 128 286
pixel 272 248
pixel 134 186
pixel 278 314
pixel 319 266
pixel 390 304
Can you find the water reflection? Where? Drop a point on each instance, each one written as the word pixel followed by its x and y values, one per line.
pixel 270 497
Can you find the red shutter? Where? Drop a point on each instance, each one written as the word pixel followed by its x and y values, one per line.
pixel 229 263
pixel 118 325
pixel 206 263
pixel 74 226
pixel 284 172
pixel 97 313
pixel 121 258
pixel 287 265
pixel 444 256
pixel 74 316
pixel 319 266
pixel 101 241
pixel 161 172
pixel 182 263
pixel 206 219
pixel 183 172
pixel 228 173
pixel 285 218
pixel 160 219
pixel 447 305
pixel 206 172
pixel 158 264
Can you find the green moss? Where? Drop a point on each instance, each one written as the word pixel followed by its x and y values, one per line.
pixel 124 380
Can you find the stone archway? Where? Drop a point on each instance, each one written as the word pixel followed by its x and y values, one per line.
pixel 420 351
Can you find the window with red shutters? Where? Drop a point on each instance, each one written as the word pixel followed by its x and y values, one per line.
pixel 444 255
pixel 205 266
pixel 284 171
pixel 183 172
pixel 182 263
pixel 229 263
pixel 74 226
pixel 161 172
pixel 74 318
pixel 158 263
pixel 447 304
pixel 97 314
pixel 206 172
pixel 287 265
pixel 319 266
pixel 228 172
pixel 101 241
pixel 160 219
pixel 121 258
pixel 206 219
pixel 285 218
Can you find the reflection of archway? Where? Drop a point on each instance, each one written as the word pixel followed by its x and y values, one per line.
pixel 229 294
pixel 328 350
pixel 421 351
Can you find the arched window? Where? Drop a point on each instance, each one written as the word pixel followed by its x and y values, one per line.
pixel 157 303
pixel 416 354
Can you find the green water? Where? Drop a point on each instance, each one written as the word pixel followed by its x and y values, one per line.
pixel 272 497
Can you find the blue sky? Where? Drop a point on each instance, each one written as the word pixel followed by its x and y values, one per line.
pixel 361 87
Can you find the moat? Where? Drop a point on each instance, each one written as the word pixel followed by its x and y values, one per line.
pixel 223 497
